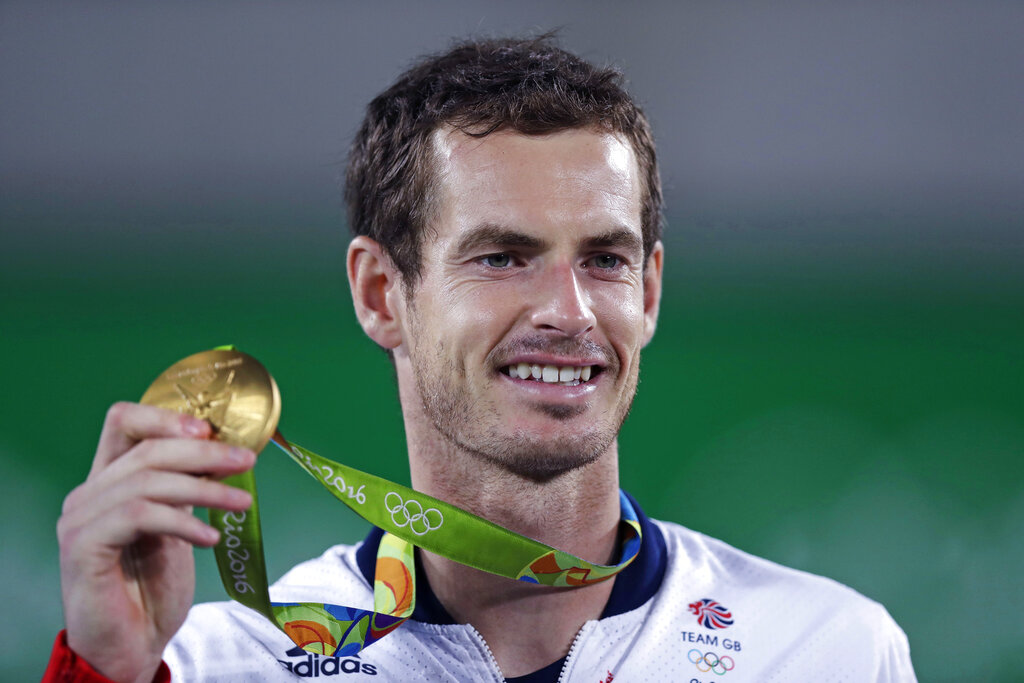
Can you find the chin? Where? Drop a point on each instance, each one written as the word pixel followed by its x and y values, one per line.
pixel 560 412
pixel 542 470
pixel 542 460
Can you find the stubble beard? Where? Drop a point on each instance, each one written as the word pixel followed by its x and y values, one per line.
pixel 470 425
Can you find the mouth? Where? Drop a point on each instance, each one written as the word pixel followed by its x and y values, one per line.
pixel 564 375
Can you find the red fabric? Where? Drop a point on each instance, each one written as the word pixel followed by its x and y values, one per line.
pixel 67 667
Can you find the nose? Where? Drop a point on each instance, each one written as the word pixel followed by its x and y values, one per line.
pixel 561 303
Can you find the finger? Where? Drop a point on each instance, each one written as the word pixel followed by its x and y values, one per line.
pixel 186 456
pixel 93 544
pixel 193 456
pixel 181 489
pixel 169 494
pixel 127 424
pixel 171 488
pixel 124 524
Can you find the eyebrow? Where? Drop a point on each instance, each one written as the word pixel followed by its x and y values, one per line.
pixel 494 235
pixel 621 238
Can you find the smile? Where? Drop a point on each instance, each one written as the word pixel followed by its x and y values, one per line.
pixel 566 375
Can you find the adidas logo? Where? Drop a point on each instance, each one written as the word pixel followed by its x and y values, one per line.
pixel 314 666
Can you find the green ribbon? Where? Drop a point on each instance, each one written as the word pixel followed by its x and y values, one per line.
pixel 409 518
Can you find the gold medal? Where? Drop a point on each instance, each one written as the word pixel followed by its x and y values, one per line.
pixel 227 388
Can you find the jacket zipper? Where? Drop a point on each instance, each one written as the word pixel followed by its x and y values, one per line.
pixel 565 666
pixel 572 651
pixel 490 655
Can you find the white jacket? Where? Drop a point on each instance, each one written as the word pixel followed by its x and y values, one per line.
pixel 787 625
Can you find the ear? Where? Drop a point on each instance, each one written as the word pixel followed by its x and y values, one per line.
pixel 376 291
pixel 652 290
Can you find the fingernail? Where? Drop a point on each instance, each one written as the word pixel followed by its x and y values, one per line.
pixel 240 455
pixel 194 427
pixel 242 497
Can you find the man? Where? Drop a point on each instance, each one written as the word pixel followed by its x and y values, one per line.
pixel 506 205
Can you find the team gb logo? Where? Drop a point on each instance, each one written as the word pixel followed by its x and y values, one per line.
pixel 711 614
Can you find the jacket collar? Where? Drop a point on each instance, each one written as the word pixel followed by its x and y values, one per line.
pixel 634 586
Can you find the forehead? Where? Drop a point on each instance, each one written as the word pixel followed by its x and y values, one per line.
pixel 567 182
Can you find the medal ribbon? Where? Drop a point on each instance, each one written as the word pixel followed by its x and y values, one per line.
pixel 409 519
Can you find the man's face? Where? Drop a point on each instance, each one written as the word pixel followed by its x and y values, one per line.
pixel 523 334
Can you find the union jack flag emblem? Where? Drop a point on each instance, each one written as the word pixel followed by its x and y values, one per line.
pixel 711 614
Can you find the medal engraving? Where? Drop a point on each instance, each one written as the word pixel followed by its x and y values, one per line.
pixel 227 388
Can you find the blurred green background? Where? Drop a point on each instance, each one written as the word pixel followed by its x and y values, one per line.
pixel 855 413
pixel 836 382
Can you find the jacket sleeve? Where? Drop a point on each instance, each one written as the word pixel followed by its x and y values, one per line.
pixel 894 658
pixel 67 667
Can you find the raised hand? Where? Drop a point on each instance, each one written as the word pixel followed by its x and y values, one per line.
pixel 126 535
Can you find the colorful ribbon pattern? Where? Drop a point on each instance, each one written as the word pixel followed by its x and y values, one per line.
pixel 409 519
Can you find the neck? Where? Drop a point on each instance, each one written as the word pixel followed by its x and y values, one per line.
pixel 577 511
pixel 526 626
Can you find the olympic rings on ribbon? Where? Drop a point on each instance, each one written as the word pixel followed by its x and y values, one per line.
pixel 714 664
pixel 411 512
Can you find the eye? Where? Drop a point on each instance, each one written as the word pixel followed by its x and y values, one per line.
pixel 605 261
pixel 498 260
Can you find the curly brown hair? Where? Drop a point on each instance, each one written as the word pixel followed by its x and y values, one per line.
pixel 480 86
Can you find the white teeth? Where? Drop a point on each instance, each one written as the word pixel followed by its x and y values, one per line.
pixel 568 375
